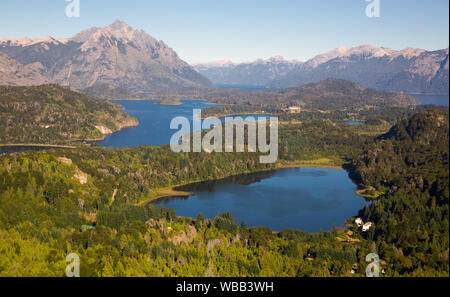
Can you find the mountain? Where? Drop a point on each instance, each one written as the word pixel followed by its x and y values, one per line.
pixel 51 114
pixel 334 93
pixel 257 73
pixel 409 70
pixel 329 94
pixel 416 148
pixel 116 55
pixel 409 168
pixel 14 73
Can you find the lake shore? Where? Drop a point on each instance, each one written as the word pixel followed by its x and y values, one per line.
pixel 37 145
pixel 363 193
pixel 170 192
pixel 292 198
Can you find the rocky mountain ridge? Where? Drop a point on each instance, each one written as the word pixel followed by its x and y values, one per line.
pixel 116 55
pixel 409 70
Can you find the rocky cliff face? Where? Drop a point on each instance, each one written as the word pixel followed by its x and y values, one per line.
pixel 116 55
pixel 14 73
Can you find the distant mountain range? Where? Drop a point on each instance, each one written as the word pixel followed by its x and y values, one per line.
pixel 258 73
pixel 116 56
pixel 120 62
pixel 409 70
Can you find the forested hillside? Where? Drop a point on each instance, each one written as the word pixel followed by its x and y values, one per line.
pixel 87 200
pixel 410 165
pixel 329 94
pixel 50 114
pixel 61 201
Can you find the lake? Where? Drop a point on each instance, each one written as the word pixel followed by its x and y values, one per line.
pixel 154 122
pixel 432 99
pixel 353 123
pixel 307 199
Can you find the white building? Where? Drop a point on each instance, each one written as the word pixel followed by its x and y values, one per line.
pixel 359 222
pixel 366 226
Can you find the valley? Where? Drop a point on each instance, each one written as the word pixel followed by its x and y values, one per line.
pixel 87 168
pixel 70 203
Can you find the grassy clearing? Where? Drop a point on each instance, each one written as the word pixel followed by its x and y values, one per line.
pixel 317 163
pixel 165 193
pixel 369 193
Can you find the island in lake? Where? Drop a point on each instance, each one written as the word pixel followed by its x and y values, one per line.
pixel 169 101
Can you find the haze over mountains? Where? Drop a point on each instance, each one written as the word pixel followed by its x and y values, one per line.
pixel 116 56
pixel 409 70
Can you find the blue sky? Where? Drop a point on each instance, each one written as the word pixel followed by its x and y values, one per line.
pixel 244 30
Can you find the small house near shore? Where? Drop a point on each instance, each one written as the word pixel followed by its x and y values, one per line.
pixel 359 222
pixel 366 227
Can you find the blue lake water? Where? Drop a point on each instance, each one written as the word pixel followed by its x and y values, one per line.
pixel 154 122
pixel 353 123
pixel 307 199
pixel 432 99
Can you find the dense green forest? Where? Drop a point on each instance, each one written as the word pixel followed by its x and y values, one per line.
pixel 87 200
pixel 332 99
pixel 51 114
pixel 52 215
pixel 410 165
pixel 373 116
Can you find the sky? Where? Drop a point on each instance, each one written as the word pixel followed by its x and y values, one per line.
pixel 242 30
